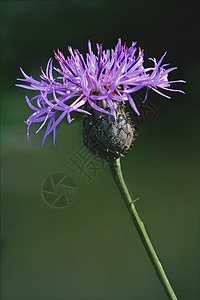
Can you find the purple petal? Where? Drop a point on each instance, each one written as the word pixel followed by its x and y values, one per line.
pixel 132 103
pixel 94 106
pixel 58 121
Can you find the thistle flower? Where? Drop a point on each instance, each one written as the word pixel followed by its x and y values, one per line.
pixel 111 77
pixel 99 87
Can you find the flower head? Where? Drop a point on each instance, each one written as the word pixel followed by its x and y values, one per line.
pixel 111 76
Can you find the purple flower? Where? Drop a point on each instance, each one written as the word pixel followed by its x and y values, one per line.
pixel 111 75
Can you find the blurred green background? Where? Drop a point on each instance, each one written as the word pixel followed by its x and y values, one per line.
pixel 90 249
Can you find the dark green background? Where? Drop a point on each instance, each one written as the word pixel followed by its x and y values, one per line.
pixel 91 250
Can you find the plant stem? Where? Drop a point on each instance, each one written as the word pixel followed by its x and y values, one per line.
pixel 118 177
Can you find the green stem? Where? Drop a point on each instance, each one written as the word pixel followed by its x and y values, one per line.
pixel 118 177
